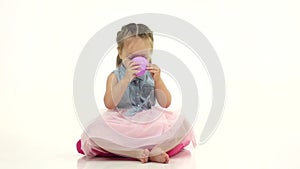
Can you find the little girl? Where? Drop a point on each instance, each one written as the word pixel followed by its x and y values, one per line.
pixel 130 100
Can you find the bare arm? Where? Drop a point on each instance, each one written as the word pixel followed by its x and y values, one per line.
pixel 114 89
pixel 163 95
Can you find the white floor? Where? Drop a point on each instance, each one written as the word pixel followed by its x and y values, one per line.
pixel 243 150
pixel 182 160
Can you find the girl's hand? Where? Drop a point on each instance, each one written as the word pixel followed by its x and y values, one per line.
pixel 131 69
pixel 154 70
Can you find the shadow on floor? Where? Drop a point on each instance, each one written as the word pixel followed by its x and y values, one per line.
pixel 182 160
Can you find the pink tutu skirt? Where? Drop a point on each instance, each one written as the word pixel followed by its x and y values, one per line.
pixel 156 129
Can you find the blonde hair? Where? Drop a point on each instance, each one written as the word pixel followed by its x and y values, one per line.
pixel 132 30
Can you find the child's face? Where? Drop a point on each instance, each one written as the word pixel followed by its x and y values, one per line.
pixel 135 46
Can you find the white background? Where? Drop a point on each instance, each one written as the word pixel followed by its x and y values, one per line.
pixel 256 41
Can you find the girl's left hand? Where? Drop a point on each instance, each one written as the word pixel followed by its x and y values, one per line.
pixel 154 70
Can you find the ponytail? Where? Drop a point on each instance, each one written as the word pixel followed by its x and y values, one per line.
pixel 118 61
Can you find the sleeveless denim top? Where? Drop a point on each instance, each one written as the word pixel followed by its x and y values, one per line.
pixel 139 94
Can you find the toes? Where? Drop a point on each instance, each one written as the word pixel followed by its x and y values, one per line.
pixel 146 153
pixel 144 156
pixel 167 158
pixel 162 158
pixel 143 160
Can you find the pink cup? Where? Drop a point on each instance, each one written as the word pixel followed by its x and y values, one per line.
pixel 143 62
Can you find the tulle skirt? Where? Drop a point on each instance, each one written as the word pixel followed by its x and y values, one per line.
pixel 156 129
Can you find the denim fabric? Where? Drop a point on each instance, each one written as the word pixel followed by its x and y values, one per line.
pixel 139 94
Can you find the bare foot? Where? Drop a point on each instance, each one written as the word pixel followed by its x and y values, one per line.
pixel 161 158
pixel 144 156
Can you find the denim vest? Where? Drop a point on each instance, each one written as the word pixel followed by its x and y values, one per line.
pixel 139 94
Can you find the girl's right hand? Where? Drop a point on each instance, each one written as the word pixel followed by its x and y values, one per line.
pixel 131 69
